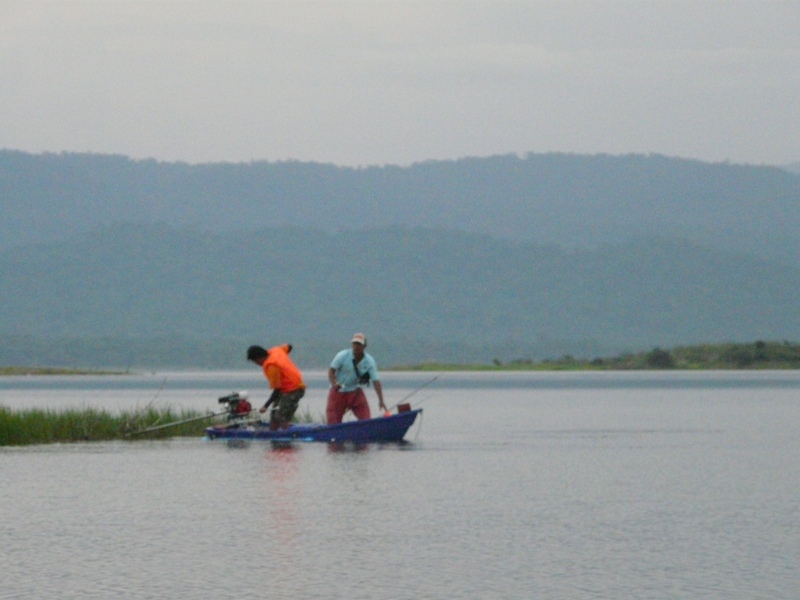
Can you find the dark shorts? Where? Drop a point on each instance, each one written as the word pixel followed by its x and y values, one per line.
pixel 286 404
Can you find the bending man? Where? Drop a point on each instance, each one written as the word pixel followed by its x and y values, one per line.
pixel 285 380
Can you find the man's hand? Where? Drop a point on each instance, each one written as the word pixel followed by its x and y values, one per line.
pixel 272 398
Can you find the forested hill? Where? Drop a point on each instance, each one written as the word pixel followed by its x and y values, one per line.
pixel 135 295
pixel 573 201
pixel 107 261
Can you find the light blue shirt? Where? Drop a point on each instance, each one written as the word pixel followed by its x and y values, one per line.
pixel 342 363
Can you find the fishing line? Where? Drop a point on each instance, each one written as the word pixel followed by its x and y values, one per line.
pixel 153 399
pixel 424 385
pixel 419 428
pixel 431 395
pixel 158 392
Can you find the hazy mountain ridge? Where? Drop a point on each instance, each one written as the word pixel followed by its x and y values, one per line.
pixel 575 201
pixel 421 294
pixel 114 262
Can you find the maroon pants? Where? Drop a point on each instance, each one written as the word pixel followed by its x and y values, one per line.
pixel 340 402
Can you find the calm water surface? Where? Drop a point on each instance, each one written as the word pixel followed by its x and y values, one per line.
pixel 678 485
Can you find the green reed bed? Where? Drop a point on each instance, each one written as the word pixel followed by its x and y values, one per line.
pixel 46 426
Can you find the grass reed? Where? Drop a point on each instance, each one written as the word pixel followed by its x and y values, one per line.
pixel 46 426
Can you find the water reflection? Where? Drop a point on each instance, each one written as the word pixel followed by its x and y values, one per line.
pixel 340 447
pixel 235 444
pixel 282 486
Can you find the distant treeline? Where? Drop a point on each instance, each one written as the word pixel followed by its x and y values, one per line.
pixel 756 355
pixel 16 370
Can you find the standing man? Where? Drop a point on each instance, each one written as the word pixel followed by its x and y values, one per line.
pixel 285 380
pixel 349 370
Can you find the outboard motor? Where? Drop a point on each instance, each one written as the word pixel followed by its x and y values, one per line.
pixel 237 405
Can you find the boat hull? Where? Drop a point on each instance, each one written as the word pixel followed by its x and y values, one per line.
pixel 382 429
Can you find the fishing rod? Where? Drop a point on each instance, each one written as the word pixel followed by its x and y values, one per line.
pixel 424 385
pixel 236 406
pixel 174 423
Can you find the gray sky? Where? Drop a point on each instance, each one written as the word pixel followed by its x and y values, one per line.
pixel 383 81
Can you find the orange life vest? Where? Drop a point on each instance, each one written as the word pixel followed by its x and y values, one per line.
pixel 281 371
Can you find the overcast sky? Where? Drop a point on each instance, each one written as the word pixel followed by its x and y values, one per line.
pixel 384 81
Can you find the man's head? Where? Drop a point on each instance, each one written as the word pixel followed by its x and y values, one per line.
pixel 256 354
pixel 359 342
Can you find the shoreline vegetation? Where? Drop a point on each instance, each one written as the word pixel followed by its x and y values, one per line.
pixel 56 371
pixel 757 355
pixel 47 426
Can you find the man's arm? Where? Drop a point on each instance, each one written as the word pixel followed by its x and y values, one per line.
pixel 273 375
pixel 275 394
pixel 379 390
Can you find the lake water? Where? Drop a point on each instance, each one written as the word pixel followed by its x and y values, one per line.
pixel 541 485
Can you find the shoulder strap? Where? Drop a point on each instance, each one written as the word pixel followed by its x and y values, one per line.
pixel 359 377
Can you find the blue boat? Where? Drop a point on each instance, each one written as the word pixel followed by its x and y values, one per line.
pixel 381 429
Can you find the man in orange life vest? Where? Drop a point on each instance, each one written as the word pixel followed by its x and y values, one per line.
pixel 285 380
